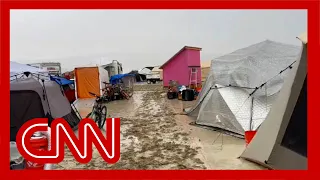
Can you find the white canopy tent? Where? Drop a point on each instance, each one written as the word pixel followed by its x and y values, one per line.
pixel 17 69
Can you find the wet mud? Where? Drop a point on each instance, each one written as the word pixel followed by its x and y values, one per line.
pixel 150 136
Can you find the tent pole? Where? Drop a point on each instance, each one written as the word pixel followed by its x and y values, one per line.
pixel 251 115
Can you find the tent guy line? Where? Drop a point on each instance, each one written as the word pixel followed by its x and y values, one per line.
pixel 255 89
pixel 263 84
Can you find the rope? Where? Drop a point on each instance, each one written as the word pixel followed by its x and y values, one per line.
pixel 263 84
pixel 255 88
pixel 221 145
pixel 45 95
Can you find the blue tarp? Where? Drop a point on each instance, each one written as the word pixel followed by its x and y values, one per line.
pixel 116 78
pixel 61 81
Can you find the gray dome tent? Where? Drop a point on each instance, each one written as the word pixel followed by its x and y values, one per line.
pixel 241 86
pixel 31 98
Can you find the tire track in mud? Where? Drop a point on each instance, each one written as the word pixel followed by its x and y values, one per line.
pixel 150 139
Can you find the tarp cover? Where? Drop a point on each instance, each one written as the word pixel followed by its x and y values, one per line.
pixel 254 65
pixel 115 79
pixel 242 71
pixel 61 81
pixel 87 80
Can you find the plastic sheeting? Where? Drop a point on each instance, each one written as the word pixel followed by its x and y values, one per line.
pixel 253 72
pixel 103 78
pixel 61 81
pixel 116 78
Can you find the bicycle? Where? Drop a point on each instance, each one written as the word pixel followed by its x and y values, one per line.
pixel 124 93
pixel 99 111
pixel 120 92
pixel 129 91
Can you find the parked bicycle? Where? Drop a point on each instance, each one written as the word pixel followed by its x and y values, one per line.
pixel 108 93
pixel 99 111
pixel 124 93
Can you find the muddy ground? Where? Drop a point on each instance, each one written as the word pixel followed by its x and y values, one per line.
pixel 155 136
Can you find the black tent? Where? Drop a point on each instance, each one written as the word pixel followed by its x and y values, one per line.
pixel 31 98
pixel 139 77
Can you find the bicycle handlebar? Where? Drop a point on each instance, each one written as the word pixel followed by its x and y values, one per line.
pixel 93 94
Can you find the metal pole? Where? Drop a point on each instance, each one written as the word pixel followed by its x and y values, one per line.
pixel 251 114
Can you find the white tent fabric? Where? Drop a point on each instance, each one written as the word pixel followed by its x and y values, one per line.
pixel 104 78
pixel 145 71
pixel 256 72
pixel 281 141
pixel 17 69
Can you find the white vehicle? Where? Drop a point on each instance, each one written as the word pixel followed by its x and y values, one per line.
pixel 153 74
pixel 153 78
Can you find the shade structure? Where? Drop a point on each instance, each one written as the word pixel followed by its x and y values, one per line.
pixel 17 70
pixel 90 79
pixel 241 86
pixel 281 141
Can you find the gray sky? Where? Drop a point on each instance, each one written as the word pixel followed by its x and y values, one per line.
pixel 139 38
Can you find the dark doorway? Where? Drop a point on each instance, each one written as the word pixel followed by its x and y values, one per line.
pixel 295 137
pixel 24 106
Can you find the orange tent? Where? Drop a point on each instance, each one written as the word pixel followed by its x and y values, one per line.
pixel 90 79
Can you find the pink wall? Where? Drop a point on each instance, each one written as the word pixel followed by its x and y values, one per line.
pixel 177 68
pixel 194 60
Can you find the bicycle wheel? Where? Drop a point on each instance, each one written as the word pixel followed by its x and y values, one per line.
pixel 130 93
pixel 103 118
pixel 125 95
pixel 89 115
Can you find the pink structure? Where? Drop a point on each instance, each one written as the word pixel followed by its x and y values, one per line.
pixel 179 66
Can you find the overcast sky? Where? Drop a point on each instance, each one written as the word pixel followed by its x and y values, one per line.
pixel 139 38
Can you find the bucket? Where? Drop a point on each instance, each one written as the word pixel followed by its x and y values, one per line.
pixel 248 136
pixel 39 142
pixel 198 89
